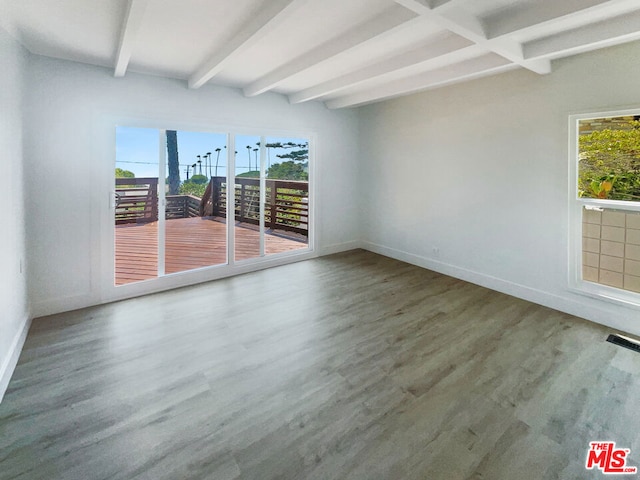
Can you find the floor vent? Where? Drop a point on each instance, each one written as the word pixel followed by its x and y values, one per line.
pixel 625 342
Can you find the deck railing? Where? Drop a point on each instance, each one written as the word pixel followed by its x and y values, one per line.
pixel 182 206
pixel 286 203
pixel 136 200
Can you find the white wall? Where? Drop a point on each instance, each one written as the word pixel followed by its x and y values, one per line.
pixel 69 161
pixel 477 171
pixel 13 303
pixel 472 180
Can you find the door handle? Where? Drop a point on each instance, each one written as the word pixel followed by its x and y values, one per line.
pixel 114 199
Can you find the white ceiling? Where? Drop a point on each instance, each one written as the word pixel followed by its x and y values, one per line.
pixel 343 52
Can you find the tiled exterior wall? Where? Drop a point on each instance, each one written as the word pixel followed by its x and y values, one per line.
pixel 611 248
pixel 613 123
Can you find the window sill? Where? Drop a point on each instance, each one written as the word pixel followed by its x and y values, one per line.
pixel 608 294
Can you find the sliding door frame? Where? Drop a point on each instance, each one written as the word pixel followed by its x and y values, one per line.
pixel 263 192
pixel 162 203
pixel 231 199
pixel 103 273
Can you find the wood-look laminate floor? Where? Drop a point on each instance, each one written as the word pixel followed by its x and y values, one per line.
pixel 352 366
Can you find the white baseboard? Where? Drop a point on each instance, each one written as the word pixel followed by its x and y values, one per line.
pixel 11 359
pixel 62 304
pixel 340 247
pixel 177 280
pixel 585 308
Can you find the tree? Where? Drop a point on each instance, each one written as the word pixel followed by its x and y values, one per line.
pixel 296 155
pixel 217 150
pixel 120 173
pixel 173 163
pixel 196 185
pixel 610 163
pixel 249 153
pixel 289 170
pixel 195 189
pixel 198 179
pixel 269 146
pixel 208 156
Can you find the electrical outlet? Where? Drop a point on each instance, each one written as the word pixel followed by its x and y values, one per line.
pixel 436 251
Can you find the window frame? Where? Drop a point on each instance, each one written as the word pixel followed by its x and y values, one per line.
pixel 576 205
pixel 104 127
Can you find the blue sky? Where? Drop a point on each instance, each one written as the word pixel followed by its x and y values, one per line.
pixel 137 151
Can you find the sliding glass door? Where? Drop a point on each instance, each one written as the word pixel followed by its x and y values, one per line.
pixel 136 205
pixel 286 213
pixel 172 200
pixel 248 198
pixel 194 238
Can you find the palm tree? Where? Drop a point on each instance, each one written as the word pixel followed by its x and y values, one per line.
pixel 217 150
pixel 249 153
pixel 268 157
pixel 256 150
pixel 269 147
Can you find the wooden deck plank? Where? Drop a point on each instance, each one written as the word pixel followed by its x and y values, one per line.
pixel 190 243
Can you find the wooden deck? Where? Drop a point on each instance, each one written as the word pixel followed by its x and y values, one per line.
pixel 190 243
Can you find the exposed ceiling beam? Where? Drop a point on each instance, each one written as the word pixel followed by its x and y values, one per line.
pixel 437 4
pixel 252 31
pixel 460 22
pixel 485 65
pixel 539 16
pixel 497 34
pixel 609 32
pixel 384 24
pixel 533 14
pixel 491 34
pixel 445 51
pixel 130 28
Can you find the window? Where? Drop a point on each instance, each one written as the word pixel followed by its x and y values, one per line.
pixel 605 205
pixel 174 191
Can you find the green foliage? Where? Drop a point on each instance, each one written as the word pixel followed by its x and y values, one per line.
pixel 252 174
pixel 195 189
pixel 287 171
pixel 296 155
pixel 198 179
pixel 600 189
pixel 120 173
pixel 610 164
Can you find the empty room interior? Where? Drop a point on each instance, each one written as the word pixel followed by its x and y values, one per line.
pixel 348 239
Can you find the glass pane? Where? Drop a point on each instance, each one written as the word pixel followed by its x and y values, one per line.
pixel 611 247
pixel 287 195
pixel 195 234
pixel 247 192
pixel 136 205
pixel 609 158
